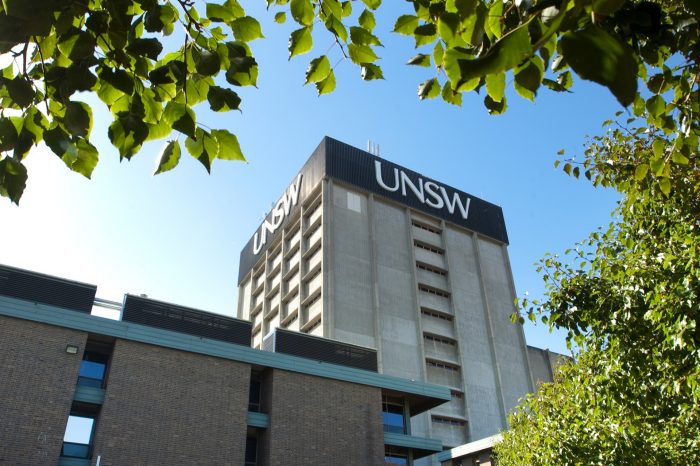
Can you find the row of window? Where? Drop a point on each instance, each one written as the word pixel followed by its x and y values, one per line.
pixel 434 291
pixel 428 247
pixel 426 227
pixel 449 421
pixel 442 365
pixel 441 340
pixel 436 314
pixel 429 268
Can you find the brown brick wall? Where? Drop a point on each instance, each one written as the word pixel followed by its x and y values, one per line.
pixel 320 422
pixel 37 381
pixel 168 407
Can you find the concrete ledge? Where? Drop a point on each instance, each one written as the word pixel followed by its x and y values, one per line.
pixel 470 448
pixel 421 446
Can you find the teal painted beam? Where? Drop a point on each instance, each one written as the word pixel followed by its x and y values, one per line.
pixel 421 446
pixel 433 395
pixel 261 420
pixel 92 395
pixel 410 441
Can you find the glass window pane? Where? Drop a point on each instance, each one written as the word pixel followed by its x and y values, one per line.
pixel 251 450
pixel 394 423
pixel 78 429
pixel 93 370
pixel 391 460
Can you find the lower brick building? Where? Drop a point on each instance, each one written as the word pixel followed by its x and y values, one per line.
pixel 167 385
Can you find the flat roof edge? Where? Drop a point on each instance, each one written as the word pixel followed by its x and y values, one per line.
pixel 26 310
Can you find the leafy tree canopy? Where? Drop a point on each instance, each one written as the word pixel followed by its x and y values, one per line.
pixel 151 85
pixel 629 295
pixel 630 298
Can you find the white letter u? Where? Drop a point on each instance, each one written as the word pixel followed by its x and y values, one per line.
pixel 378 175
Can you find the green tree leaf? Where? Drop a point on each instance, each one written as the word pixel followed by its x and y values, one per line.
pixel 361 36
pixel 449 28
pixel 528 77
pixel 327 85
pixel 242 71
pixel 8 134
pixel 425 34
pixel 450 96
pixel 429 89
pixel 229 149
pixel 496 86
pixel 150 48
pixel 222 99
pixel 505 54
pixel 367 20
pixel 78 118
pixel 334 25
pixel 20 90
pixel 406 24
pixel 13 179
pixel 373 4
pixel 280 17
pixel 656 106
pixel 127 133
pixel 494 107
pixel 597 56
pixel 81 157
pixel 246 29
pixel 641 171
pixel 220 13
pixel 303 12
pixel 318 69
pixel 300 42
pixel 420 60
pixel 76 44
pixel 204 148
pixel 206 62
pixel 169 157
pixel 361 54
pixel 371 72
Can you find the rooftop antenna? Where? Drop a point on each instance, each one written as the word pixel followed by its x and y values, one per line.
pixel 372 148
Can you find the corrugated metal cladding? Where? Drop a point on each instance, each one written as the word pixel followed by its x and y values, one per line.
pixel 45 289
pixel 355 166
pixel 167 316
pixel 321 349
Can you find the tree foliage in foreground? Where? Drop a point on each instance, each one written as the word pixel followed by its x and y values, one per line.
pixel 118 50
pixel 630 297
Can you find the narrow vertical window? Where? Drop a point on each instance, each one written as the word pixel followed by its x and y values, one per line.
pixel 394 414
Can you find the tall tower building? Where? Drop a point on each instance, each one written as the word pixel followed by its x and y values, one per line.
pixel 364 251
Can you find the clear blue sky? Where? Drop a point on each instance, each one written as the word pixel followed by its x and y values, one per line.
pixel 177 236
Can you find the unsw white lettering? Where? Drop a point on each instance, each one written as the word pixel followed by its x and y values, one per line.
pixel 277 215
pixel 429 193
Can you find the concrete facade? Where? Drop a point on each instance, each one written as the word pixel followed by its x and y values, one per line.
pixel 433 298
pixel 36 390
pixel 544 364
